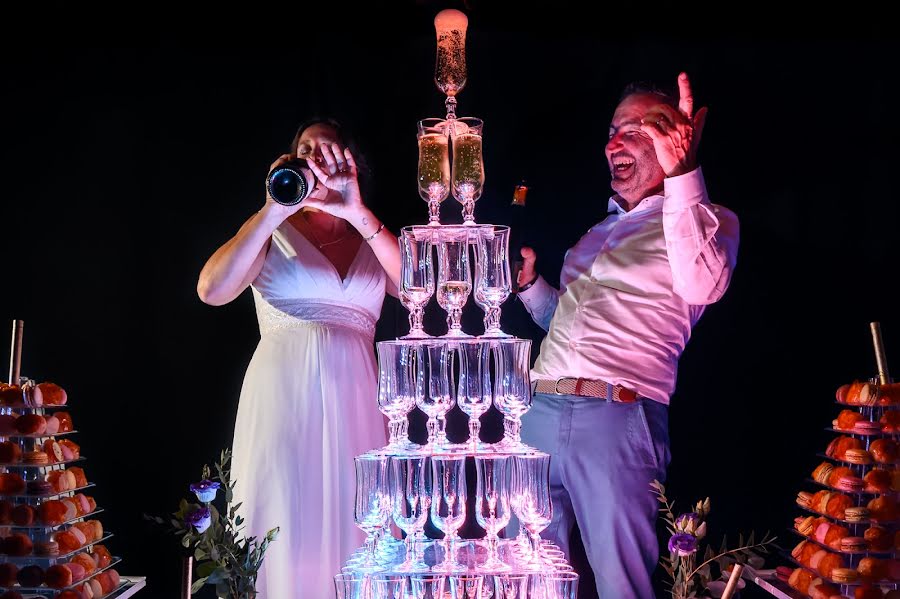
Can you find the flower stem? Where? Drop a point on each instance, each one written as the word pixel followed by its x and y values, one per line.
pixel 714 558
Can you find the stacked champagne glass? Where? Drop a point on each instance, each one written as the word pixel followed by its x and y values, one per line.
pixel 406 483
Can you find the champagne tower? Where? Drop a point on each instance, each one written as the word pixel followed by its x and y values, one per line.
pixel 405 483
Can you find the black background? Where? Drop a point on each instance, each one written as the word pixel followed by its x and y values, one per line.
pixel 128 158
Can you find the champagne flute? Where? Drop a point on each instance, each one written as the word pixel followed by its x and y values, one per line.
pixel 434 165
pixel 492 276
pixel 512 388
pixel 454 277
pixel 492 510
pixel 352 585
pixel 466 586
pixel 468 164
pixel 427 586
pixel 473 393
pixel 448 505
pixel 416 276
pixel 372 505
pixel 511 586
pixel 411 490
pixel 401 382
pixel 389 586
pixel 560 585
pixel 531 484
pixel 436 400
pixel 450 63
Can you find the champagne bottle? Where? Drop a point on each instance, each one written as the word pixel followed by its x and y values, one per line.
pixel 517 230
pixel 290 183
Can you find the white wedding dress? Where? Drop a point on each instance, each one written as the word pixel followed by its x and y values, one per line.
pixel 308 406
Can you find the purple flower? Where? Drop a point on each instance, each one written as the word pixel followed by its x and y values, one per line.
pixel 682 544
pixel 684 521
pixel 205 490
pixel 200 518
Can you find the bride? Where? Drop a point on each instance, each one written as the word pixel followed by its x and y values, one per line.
pixel 318 272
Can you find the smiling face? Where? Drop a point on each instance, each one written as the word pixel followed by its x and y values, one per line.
pixel 632 162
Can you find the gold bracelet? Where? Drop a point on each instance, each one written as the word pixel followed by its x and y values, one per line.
pixel 372 236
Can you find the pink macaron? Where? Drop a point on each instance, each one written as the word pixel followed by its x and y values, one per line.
pixel 852 484
pixel 867 427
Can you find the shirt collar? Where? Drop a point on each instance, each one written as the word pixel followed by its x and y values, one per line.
pixel 648 203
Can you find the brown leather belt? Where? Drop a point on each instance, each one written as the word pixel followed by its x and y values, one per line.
pixel 585 388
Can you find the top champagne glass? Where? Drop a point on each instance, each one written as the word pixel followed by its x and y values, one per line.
pixel 450 64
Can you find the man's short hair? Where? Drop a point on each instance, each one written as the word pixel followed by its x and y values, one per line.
pixel 646 87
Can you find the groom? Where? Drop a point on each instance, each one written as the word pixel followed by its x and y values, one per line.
pixel 631 290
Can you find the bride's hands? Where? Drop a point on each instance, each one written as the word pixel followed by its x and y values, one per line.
pixel 337 172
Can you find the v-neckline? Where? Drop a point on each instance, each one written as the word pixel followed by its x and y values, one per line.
pixel 318 250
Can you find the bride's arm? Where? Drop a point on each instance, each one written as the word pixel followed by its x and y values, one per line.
pixel 383 243
pixel 239 261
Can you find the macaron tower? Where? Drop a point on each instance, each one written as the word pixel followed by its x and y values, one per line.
pixel 51 542
pixel 849 529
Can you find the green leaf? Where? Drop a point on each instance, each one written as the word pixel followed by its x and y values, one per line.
pixel 205 569
pixel 198 584
pixel 219 575
pixel 704 573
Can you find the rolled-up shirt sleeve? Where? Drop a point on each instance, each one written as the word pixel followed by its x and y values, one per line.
pixel 701 240
pixel 540 300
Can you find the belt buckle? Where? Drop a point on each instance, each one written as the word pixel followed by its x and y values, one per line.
pixel 556 387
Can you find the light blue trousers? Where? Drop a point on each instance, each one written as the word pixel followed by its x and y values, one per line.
pixel 604 456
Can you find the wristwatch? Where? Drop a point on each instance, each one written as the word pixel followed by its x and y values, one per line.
pixel 528 285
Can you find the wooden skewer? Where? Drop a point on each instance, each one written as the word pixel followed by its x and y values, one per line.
pixel 186 577
pixel 880 358
pixel 731 587
pixel 15 352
